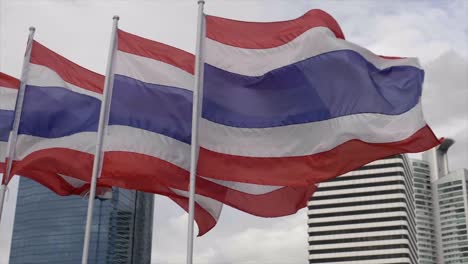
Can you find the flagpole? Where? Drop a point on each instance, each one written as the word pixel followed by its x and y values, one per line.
pixel 103 117
pixel 18 109
pixel 197 90
pixel 2 197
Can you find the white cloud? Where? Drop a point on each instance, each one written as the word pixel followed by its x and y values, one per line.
pixel 284 241
pixel 445 103
pixel 423 29
pixel 238 238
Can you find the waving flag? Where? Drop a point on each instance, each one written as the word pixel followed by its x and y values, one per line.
pixel 292 103
pixel 8 92
pixel 57 133
pixel 56 136
pixel 148 138
pixel 137 113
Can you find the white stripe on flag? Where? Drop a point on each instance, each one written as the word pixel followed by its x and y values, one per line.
pixel 248 188
pixel 3 150
pixel 130 139
pixel 213 207
pixel 42 76
pixel 8 98
pixel 315 41
pixel 84 142
pixel 135 140
pixel 309 138
pixel 152 71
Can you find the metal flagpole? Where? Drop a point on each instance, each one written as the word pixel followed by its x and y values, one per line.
pixel 197 90
pixel 18 109
pixel 2 197
pixel 103 117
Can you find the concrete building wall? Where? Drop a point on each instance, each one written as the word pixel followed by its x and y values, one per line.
pixel 365 216
pixel 427 247
pixel 453 207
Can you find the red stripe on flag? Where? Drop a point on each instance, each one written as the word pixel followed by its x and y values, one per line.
pixel 2 170
pixel 58 185
pixel 280 202
pixel 142 172
pixel 8 81
pixel 155 50
pixel 66 69
pixel 55 183
pixel 45 165
pixel 205 221
pixel 258 35
pixel 391 57
pixel 312 169
pixel 55 161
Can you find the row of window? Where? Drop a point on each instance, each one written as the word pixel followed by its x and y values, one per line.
pixel 358 239
pixel 358 258
pixel 446 184
pixel 359 230
pixel 354 249
pixel 356 194
pixel 358 212
pixel 444 196
pixel 463 249
pixel 451 189
pixel 453 200
pixel 357 203
pixel 456 211
pixel 359 221
pixel 361 185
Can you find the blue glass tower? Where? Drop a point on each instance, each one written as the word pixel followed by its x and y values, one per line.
pixel 50 229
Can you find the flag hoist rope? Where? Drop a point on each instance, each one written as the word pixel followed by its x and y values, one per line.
pixel 103 120
pixel 18 109
pixel 197 96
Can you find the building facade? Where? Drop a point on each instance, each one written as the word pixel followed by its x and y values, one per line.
pixel 427 241
pixel 453 207
pixel 50 229
pixel 365 216
pixel 449 205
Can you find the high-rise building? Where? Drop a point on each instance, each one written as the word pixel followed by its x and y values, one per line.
pixel 50 229
pixel 452 199
pixel 365 216
pixel 449 205
pixel 427 242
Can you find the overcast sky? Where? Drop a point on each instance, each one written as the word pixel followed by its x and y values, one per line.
pixel 434 31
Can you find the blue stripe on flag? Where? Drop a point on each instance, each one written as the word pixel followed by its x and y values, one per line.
pixel 53 112
pixel 330 85
pixel 327 86
pixel 6 122
pixel 157 108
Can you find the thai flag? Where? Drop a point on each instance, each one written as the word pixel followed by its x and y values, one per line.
pixel 58 129
pixel 147 143
pixel 137 113
pixel 293 103
pixel 8 92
